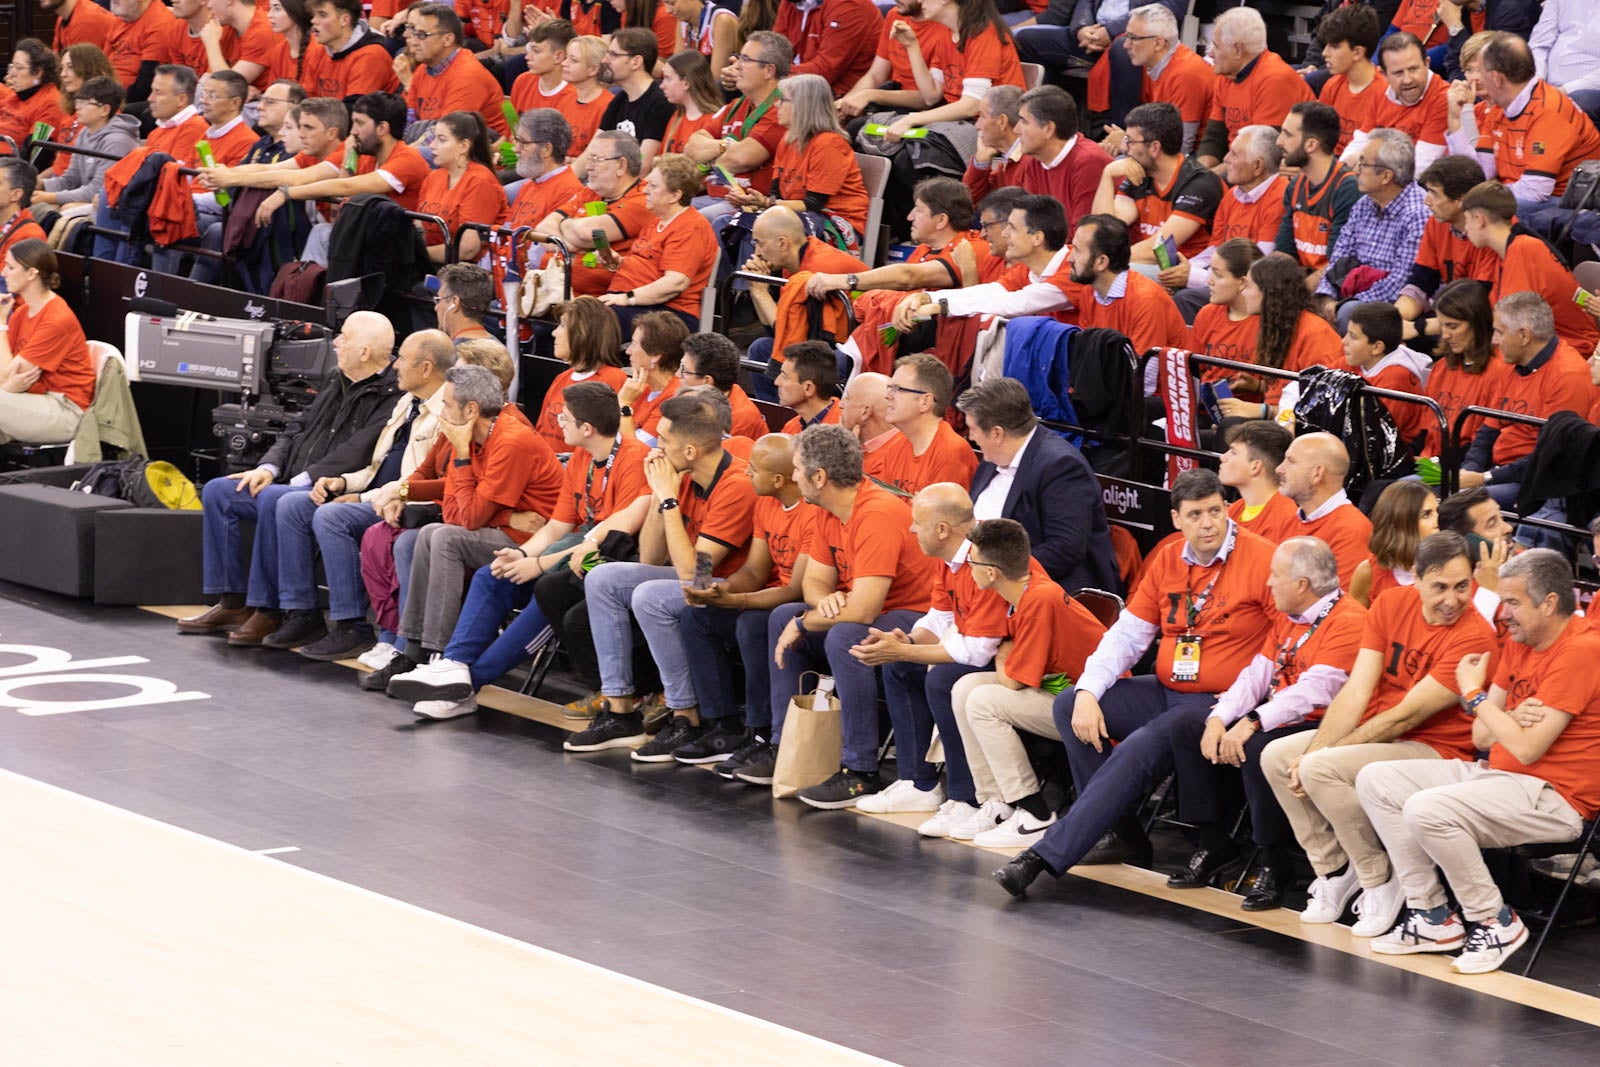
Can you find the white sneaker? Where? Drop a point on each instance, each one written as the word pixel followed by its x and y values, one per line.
pixel 437 679
pixel 902 796
pixel 991 814
pixel 377 657
pixel 1417 933
pixel 1488 945
pixel 445 709
pixel 1379 909
pixel 950 813
pixel 1561 866
pixel 1019 831
pixel 1329 896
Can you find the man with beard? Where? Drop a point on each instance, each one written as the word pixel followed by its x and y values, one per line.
pixel 542 138
pixel 1319 199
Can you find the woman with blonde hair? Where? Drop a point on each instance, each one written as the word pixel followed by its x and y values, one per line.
pixel 586 105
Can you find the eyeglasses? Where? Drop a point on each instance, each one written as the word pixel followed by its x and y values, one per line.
pixel 740 57
pixel 521 140
pixel 423 35
pixel 440 298
pixel 980 563
pixel 562 419
pixel 685 373
pixel 1141 37
pixel 606 159
pixel 895 390
pixel 25 68
pixel 619 55
pixel 985 227
pixel 1362 164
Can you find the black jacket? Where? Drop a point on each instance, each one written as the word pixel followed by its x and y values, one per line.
pixel 1056 498
pixel 1564 465
pixel 338 432
pixel 373 236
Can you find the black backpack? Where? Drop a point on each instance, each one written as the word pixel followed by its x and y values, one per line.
pixel 1332 401
pixel 140 483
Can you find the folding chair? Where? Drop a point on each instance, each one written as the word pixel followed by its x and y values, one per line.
pixel 1586 843
pixel 875 175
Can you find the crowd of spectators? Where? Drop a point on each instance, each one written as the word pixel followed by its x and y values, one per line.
pixel 1391 683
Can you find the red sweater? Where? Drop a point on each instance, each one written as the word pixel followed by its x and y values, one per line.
pixel 1073 181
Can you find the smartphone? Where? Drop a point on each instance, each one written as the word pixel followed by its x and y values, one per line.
pixel 1581 298
pixel 702 570
pixel 1476 544
pixel 1222 391
pixel 726 175
pixel 602 243
pixel 1167 253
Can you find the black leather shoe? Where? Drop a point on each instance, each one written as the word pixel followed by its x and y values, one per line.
pixel 299 628
pixel 1266 888
pixel 378 680
pixel 1203 865
pixel 1015 877
pixel 1114 849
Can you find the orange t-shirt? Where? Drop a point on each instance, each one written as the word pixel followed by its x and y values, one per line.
pixel 179 141
pixel 53 341
pixel 405 168
pixel 584 118
pixel 686 243
pixel 483 18
pixel 1418 18
pixel 463 85
pixel 258 44
pixel 1187 83
pixel 1562 678
pixel 1145 312
pixel 144 40
pixel 1425 122
pixel 476 197
pixel 630 215
pixel 647 409
pixel 829 417
pixel 984 58
pixel 977 612
pixel 188 49
pixel 1315 344
pixel 681 127
pixel 1277 521
pixel 723 512
pixel 745 118
pixel 553 405
pixel 1413 649
pixel 1446 250
pixel 826 165
pixel 589 498
pixel 514 470
pixel 1257 221
pixel 1050 632
pixel 230 149
pixel 1194 193
pixel 786 531
pixel 90 24
pixel 1355 108
pixel 1411 420
pixel 1550 138
pixel 367 68
pixel 1235 610
pixel 877 542
pixel 1214 334
pixel 748 422
pixel 1561 384
pixel 928 33
pixel 1530 266
pixel 526 94
pixel 1336 643
pixel 946 459
pixel 1259 95
pixel 536 200
pixel 1345 530
pixel 1455 389
pixel 665 25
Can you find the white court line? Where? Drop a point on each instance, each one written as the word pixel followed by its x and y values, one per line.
pixel 275 851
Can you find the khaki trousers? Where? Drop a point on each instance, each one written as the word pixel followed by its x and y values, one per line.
pixel 989 714
pixel 1444 812
pixel 38 418
pixel 1328 821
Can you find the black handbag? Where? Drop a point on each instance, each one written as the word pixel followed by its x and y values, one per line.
pixel 416 516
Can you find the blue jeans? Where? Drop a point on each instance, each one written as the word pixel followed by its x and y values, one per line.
pixel 1141 714
pixel 223 509
pixel 113 248
pixel 656 607
pixel 1541 216
pixel 337 529
pixel 405 546
pixel 609 591
pixel 919 699
pixel 478 640
pixel 855 682
pixel 1554 510
pixel 716 632
pixel 1588 101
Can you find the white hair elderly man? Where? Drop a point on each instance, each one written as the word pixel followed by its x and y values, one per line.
pixel 1378 243
pixel 1076 33
pixel 1255 86
pixel 1172 73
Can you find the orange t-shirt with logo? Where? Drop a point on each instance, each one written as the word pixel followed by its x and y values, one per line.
pixel 365 69
pixel 1215 334
pixel 826 165
pixel 1050 633
pixel 630 215
pixel 946 459
pixel 587 497
pixel 477 196
pixel 553 405
pixel 584 118
pixel 686 244
pixel 1315 344
pixel 1268 89
pixel 132 44
pixel 1560 384
pixel 404 167
pixel 1346 531
pixel 1336 643
pixel 985 57
pixel 1187 83
pixel 90 24
pixel 1548 139
pixel 52 340
pixel 877 542
pixel 1562 678
pixel 723 512
pixel 1355 108
pixel 977 612
pixel 1446 250
pixel 1425 122
pixel 1256 221
pixel 787 532
pixel 928 33
pixel 745 118
pixel 1530 266
pixel 463 85
pixel 1453 388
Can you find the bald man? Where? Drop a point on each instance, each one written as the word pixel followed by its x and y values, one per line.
pixel 1312 475
pixel 958 636
pixel 863 410
pixel 335 435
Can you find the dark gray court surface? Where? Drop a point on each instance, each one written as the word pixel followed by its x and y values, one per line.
pixel 844 927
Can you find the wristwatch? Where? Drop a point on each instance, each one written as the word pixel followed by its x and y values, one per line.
pixel 852 282
pixel 626 411
pixel 1254 716
pixel 405 491
pixel 283 191
pixel 669 504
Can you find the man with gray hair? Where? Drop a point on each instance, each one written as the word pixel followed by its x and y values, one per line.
pixel 1076 33
pixel 1377 246
pixel 1255 86
pixel 1539 719
pixel 542 137
pixel 1172 72
pixel 1302 664
pixel 744 137
pixel 498 466
pixel 613 177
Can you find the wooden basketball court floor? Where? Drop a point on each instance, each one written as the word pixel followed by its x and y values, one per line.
pixel 260 863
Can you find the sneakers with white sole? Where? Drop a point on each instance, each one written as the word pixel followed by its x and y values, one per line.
pixel 901 796
pixel 437 679
pixel 445 709
pixel 1019 831
pixel 1329 895
pixel 987 816
pixel 950 814
pixel 1379 909
pixel 1489 943
pixel 377 656
pixel 1439 930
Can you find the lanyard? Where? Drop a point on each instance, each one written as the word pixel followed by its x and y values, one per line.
pixel 588 482
pixel 1194 605
pixel 1286 653
pixel 754 117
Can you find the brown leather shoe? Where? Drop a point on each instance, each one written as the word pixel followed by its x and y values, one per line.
pixel 217 620
pixel 259 625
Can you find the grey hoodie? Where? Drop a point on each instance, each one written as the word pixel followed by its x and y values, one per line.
pixel 85 174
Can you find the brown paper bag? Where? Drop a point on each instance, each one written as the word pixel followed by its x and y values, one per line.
pixel 812 744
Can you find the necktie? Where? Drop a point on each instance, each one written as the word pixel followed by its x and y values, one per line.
pixel 389 469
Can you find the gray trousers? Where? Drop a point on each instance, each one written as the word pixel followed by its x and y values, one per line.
pixel 445 557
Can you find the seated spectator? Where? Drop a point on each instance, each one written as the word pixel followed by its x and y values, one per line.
pixel 1526 263
pixel 1055 162
pixel 1305 660
pixel 462 187
pixel 1292 337
pixel 1377 245
pixel 1110 295
pixel 1528 111
pixel 1254 86
pixel 138 44
pixel 222 98
pixel 939 220
pixel 993 214
pixel 79 24
pixel 1058 38
pixel 1001 608
pixel 587 103
pixel 101 128
pixel 708 30
pixel 710 359
pixel 586 516
pixel 1249 466
pixel 1251 210
pixel 703 506
pixel 346 59
pixel 1468 373
pixel 1165 194
pixel 252 51
pixel 688 85
pixel 783 248
pixel 32 92
pixel 927 449
pixel 336 434
pixel 542 84
pixel 1312 475
pixel 500 466
pixel 440 77
pixel 1536 720
pixel 749 130
pixel 890 84
pixel 1373 345
pixel 638 108
pixel 613 180
pixel 669 265
pixel 1170 71
pixel 47 375
pixel 807 385
pixel 999 151
pixel 655 351
pixel 1399 704
pixel 1140 713
pixel 1320 198
pixel 1566 52
pixel 974 54
pixel 80 63
pixel 1474 512
pixel 1406 512
pixel 294 26
pixel 1445 253
pixel 587 339
pixel 1414 102
pixel 178 128
pixel 543 139
pixel 835 40
pixel 18 179
pixel 1466 106
pixel 863 411
pixel 1349 39
pixel 1226 327
pixel 1039 479
pixel 462 302
pixel 332 515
